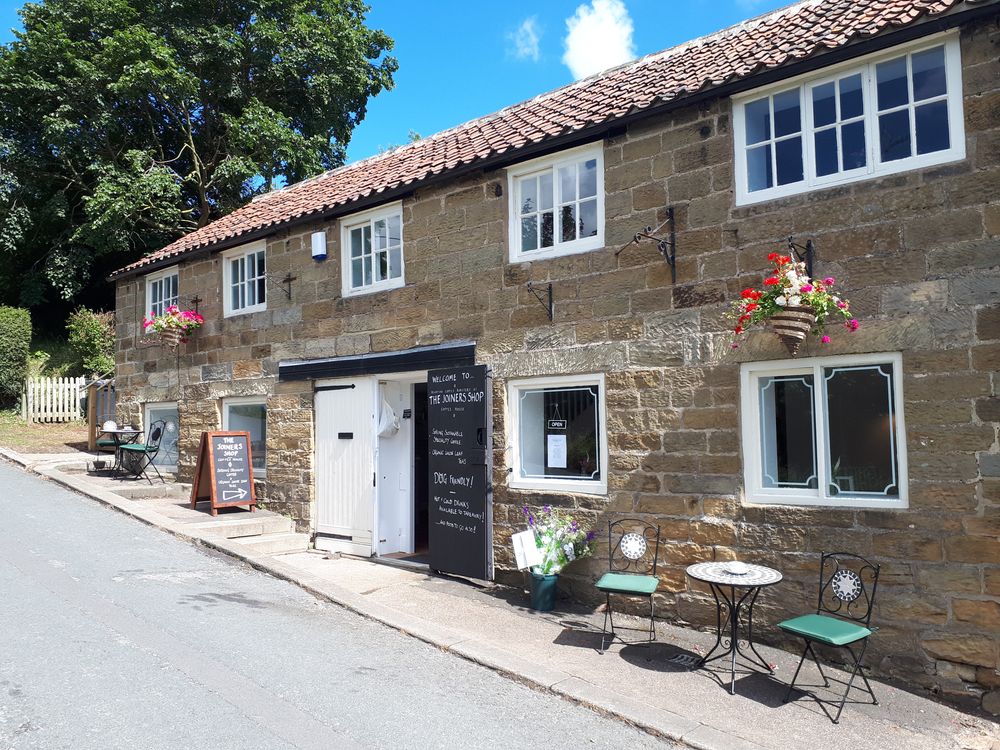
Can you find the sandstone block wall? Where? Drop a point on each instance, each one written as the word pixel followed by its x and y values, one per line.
pixel 919 256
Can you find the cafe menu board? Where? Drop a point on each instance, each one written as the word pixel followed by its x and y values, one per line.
pixel 460 516
pixel 224 474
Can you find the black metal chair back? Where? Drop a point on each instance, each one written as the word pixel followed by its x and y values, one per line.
pixel 155 437
pixel 847 585
pixel 630 542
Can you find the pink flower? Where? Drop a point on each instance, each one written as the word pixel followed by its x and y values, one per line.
pixel 825 339
pixel 853 324
pixel 734 346
pixel 807 287
pixel 829 281
pixel 841 304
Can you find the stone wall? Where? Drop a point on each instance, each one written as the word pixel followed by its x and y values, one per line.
pixel 918 253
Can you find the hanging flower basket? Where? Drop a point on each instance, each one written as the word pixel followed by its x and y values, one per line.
pixel 173 325
pixel 793 303
pixel 171 337
pixel 792 325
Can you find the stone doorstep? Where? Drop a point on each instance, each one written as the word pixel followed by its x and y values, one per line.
pixel 275 544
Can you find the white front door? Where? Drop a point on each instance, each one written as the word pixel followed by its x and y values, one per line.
pixel 395 461
pixel 345 465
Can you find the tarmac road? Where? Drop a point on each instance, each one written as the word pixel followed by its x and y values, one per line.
pixel 116 635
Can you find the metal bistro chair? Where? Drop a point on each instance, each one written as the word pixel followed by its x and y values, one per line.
pixel 847 585
pixel 101 445
pixel 632 569
pixel 137 457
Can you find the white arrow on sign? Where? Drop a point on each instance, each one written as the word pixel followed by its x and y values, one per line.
pixel 238 494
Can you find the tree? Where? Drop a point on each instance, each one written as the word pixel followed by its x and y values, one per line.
pixel 126 123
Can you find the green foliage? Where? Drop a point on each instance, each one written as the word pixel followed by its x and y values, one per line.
pixel 15 342
pixel 53 357
pixel 126 123
pixel 92 337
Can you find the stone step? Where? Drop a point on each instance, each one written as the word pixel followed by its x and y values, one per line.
pixel 276 544
pixel 260 523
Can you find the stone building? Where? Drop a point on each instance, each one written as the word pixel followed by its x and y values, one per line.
pixel 871 129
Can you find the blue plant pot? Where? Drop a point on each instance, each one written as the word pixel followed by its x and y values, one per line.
pixel 543 591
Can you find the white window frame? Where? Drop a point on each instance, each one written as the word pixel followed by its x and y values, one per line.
pixel 360 219
pixel 146 421
pixel 227 281
pixel 551 164
pixel 160 277
pixel 750 429
pixel 874 166
pixel 560 484
pixel 243 401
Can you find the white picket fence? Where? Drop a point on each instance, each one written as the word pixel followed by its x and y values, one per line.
pixel 52 399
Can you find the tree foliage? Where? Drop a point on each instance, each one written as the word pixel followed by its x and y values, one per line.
pixel 15 344
pixel 126 123
pixel 92 337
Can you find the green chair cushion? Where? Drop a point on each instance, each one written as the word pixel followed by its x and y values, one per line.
pixel 825 629
pixel 105 443
pixel 137 447
pixel 628 583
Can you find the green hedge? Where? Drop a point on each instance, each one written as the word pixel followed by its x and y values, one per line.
pixel 15 344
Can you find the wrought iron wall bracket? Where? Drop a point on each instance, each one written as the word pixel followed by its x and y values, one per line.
pixel 285 283
pixel 544 301
pixel 803 253
pixel 666 245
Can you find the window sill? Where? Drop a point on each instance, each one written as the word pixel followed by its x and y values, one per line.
pixel 375 288
pixel 558 251
pixel 555 485
pixel 244 311
pixel 858 503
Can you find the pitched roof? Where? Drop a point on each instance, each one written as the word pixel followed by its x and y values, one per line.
pixel 768 41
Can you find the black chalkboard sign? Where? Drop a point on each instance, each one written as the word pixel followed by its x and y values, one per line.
pixel 224 474
pixel 460 442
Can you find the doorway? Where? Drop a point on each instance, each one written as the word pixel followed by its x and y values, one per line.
pixel 402 490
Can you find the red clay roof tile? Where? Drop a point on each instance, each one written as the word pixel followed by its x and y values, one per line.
pixel 785 35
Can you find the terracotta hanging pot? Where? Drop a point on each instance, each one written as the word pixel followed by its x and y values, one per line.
pixel 171 337
pixel 792 326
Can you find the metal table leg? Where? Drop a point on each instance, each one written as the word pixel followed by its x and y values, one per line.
pixel 731 645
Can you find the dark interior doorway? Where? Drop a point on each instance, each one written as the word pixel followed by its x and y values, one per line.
pixel 421 480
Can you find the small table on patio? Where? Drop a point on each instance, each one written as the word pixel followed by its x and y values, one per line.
pixel 724 585
pixel 121 436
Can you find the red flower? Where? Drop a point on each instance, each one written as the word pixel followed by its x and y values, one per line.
pixel 752 306
pixel 773 257
pixel 748 293
pixel 784 259
pixel 744 318
pixel 738 329
pixel 771 280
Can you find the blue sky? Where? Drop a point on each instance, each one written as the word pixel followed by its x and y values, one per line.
pixel 460 59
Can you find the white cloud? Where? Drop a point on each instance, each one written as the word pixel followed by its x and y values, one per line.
pixel 524 41
pixel 598 37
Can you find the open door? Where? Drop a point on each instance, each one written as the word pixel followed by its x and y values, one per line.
pixel 345 465
pixel 395 464
pixel 460 487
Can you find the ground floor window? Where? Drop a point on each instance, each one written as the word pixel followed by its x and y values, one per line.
pixel 557 433
pixel 825 431
pixel 249 415
pixel 166 457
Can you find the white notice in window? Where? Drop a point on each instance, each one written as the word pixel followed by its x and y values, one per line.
pixel 557 452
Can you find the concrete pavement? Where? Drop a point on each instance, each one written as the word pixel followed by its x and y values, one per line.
pixel 653 688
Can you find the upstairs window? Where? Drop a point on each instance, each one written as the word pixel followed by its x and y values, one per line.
pixel 826 431
pixel 161 291
pixel 895 112
pixel 372 256
pixel 557 204
pixel 244 279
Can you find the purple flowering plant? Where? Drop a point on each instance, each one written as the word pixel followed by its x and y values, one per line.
pixel 559 538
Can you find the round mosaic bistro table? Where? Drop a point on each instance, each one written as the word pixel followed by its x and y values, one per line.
pixel 724 585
